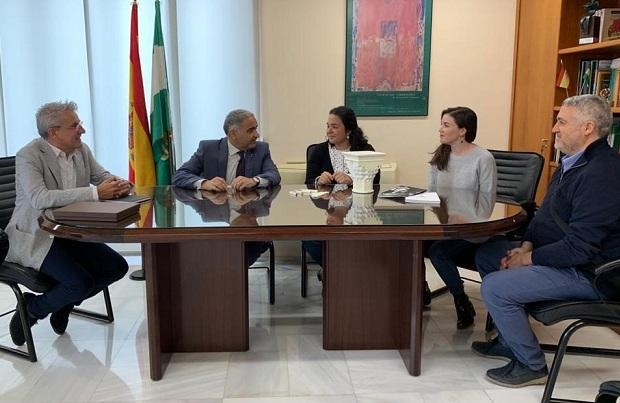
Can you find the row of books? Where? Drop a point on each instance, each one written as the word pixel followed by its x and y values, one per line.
pixel 600 77
pixel 603 25
pixel 613 139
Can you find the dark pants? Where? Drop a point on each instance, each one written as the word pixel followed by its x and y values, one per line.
pixel 445 254
pixel 315 250
pixel 81 270
pixel 254 250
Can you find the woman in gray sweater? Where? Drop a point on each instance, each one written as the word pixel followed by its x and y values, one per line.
pixel 458 163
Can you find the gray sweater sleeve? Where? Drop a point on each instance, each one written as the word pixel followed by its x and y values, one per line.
pixel 475 170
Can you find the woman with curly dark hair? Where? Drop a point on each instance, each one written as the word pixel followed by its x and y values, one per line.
pixel 326 162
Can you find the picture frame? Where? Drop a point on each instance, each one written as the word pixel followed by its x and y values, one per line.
pixel 388 57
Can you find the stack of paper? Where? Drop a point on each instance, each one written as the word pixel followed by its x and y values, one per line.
pixel 431 198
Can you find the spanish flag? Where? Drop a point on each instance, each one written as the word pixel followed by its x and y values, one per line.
pixel 562 80
pixel 141 164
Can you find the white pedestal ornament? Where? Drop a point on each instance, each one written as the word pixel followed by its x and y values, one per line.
pixel 363 166
pixel 362 211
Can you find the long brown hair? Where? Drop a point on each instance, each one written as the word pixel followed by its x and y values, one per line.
pixel 464 118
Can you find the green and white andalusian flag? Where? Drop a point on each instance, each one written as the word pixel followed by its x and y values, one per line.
pixel 161 130
pixel 161 124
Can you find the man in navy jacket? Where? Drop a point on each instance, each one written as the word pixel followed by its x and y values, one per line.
pixel 576 228
pixel 237 162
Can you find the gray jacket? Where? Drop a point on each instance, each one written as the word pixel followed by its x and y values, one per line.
pixel 38 187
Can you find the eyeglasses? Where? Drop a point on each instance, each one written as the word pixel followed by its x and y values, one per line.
pixel 74 126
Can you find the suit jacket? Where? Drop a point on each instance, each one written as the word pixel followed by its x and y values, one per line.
pixel 211 159
pixel 319 162
pixel 38 186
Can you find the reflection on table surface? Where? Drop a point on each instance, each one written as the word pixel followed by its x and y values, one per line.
pixel 172 207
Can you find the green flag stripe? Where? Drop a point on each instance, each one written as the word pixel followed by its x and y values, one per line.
pixel 161 124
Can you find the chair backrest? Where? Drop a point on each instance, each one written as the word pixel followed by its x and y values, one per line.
pixel 518 173
pixel 7 189
pixel 309 151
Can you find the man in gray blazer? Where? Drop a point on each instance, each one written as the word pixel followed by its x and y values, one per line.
pixel 237 161
pixel 53 171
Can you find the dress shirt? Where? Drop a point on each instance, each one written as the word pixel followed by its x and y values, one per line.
pixel 67 170
pixel 569 160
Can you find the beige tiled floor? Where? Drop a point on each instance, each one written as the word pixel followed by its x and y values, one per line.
pixel 95 362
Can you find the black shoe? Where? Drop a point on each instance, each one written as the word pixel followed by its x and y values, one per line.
pixel 15 326
pixel 492 349
pixel 426 296
pixel 465 311
pixel 60 319
pixel 516 375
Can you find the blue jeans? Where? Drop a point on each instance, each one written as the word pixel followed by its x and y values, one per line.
pixel 81 270
pixel 506 292
pixel 443 254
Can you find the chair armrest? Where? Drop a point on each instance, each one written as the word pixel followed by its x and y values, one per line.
pixel 607 280
pixel 530 208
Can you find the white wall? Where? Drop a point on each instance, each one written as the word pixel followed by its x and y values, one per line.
pixel 302 62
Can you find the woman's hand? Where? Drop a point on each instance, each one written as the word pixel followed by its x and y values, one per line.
pixel 341 177
pixel 325 178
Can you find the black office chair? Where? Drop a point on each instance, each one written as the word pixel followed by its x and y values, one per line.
pixel 304 255
pixel 14 275
pixel 518 174
pixel 609 392
pixel 271 271
pixel 603 312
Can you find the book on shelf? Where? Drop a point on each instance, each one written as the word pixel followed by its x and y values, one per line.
pixel 614 84
pixel 600 77
pixel 609 24
pixel 614 135
pixel 586 77
pixel 401 191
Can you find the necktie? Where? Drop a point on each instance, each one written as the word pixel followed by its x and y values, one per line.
pixel 241 165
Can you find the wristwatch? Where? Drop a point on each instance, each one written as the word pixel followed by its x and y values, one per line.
pixel 256 180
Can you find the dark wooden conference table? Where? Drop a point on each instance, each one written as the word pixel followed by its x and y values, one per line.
pixel 193 250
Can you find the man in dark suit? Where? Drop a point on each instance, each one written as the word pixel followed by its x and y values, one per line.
pixel 237 162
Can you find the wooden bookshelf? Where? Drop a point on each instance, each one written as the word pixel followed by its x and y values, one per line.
pixel 547 31
pixel 592 47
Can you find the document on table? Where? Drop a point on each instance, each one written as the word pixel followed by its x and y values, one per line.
pixel 431 198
